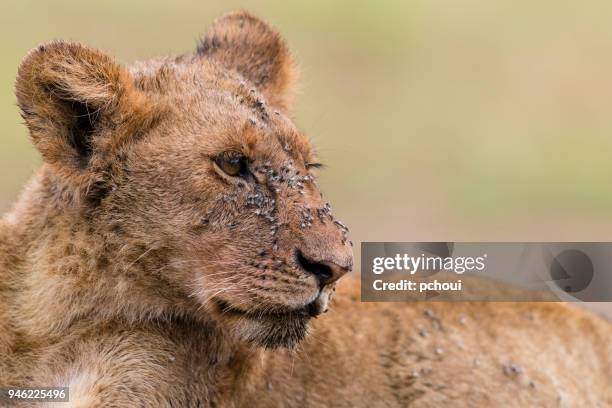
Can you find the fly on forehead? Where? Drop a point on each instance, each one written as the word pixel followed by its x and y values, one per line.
pixel 251 99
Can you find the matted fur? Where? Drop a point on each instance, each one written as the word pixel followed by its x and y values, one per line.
pixel 136 272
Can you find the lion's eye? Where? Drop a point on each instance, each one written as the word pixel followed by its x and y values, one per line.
pixel 232 163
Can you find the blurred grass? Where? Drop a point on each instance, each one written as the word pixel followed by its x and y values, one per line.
pixel 437 119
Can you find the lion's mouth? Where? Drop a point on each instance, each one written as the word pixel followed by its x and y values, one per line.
pixel 313 309
pixel 278 326
pixel 306 312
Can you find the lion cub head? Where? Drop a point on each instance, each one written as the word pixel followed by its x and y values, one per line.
pixel 191 172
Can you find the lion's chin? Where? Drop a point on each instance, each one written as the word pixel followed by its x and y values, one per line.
pixel 274 333
pixel 268 329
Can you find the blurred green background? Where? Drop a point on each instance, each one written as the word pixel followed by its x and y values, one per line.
pixel 438 120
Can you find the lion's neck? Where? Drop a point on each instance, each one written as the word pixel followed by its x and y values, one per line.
pixel 61 271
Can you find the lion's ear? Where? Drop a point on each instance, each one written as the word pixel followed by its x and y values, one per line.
pixel 79 106
pixel 247 44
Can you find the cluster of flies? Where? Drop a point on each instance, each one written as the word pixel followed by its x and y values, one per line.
pixel 265 206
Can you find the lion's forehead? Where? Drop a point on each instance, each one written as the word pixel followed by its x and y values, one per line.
pixel 181 78
pixel 218 109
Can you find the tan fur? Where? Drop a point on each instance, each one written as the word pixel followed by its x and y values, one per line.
pixel 134 271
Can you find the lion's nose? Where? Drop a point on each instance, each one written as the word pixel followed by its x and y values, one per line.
pixel 325 271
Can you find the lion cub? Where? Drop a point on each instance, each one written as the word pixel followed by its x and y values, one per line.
pixel 174 248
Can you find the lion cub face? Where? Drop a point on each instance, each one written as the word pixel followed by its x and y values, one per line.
pixel 196 161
